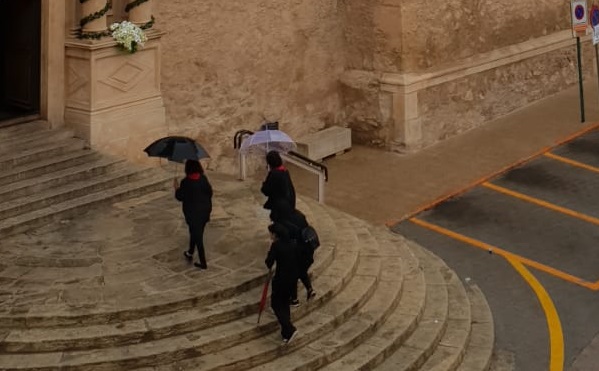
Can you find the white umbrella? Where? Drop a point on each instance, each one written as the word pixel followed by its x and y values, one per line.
pixel 267 140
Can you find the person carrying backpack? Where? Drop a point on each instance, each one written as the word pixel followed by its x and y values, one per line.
pixel 283 252
pixel 295 222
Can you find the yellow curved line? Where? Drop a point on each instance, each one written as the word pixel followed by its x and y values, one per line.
pixel 556 336
pixel 501 252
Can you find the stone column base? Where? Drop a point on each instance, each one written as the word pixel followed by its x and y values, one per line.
pixel 122 131
pixel 113 97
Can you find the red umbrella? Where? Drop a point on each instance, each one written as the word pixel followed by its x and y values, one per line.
pixel 264 295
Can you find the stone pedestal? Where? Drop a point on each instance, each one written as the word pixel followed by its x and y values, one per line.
pixel 141 14
pixel 90 7
pixel 113 98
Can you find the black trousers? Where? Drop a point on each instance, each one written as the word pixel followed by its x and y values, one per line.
pixel 279 301
pixel 305 278
pixel 196 239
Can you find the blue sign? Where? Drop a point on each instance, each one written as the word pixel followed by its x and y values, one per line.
pixel 579 12
pixel 594 15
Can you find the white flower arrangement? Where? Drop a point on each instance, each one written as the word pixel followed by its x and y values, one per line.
pixel 128 35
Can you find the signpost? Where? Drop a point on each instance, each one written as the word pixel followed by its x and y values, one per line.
pixel 579 27
pixel 594 15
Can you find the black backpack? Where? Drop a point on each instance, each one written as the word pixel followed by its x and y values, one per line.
pixel 310 237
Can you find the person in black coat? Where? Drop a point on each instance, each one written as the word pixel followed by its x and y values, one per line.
pixel 295 221
pixel 195 192
pixel 283 252
pixel 278 184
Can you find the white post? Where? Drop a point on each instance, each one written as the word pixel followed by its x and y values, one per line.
pixel 321 187
pixel 242 170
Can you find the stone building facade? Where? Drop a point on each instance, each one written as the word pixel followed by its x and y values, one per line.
pixel 403 74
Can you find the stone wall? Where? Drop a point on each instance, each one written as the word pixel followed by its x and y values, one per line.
pixel 228 64
pixel 420 71
pixel 467 103
pixel 437 33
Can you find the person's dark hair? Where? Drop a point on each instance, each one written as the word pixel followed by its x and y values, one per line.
pixel 279 231
pixel 193 166
pixel 273 159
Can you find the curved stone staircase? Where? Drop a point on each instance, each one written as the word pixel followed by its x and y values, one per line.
pixel 48 176
pixel 112 291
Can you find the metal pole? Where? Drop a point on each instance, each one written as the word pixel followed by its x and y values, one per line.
pixel 578 52
pixel 597 62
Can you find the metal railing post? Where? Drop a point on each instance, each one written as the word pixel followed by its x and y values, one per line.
pixel 321 181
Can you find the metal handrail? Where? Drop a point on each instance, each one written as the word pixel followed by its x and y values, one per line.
pixel 238 136
pixel 295 158
pixel 311 162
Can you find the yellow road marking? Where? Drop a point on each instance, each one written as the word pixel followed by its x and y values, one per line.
pixel 539 202
pixel 571 162
pixel 506 254
pixel 556 336
pixel 492 175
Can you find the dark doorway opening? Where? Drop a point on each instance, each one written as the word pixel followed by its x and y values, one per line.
pixel 20 51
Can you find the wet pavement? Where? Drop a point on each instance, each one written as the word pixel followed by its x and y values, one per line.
pixel 129 256
pixel 389 188
pixel 545 215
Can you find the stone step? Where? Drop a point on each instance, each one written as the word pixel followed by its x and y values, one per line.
pixel 320 322
pixel 170 324
pixel 187 297
pixel 33 139
pixel 73 207
pixel 479 351
pixel 10 161
pixel 359 327
pixel 120 175
pixel 219 339
pixel 60 178
pixel 411 331
pixel 45 166
pixel 14 131
pixel 451 348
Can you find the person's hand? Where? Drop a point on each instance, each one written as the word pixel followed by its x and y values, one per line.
pixel 175 184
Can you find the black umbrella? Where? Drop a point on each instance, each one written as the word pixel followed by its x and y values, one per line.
pixel 177 149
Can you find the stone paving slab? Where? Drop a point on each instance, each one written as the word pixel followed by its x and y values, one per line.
pixel 127 253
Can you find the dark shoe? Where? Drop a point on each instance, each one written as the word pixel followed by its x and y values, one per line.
pixel 311 294
pixel 294 303
pixel 188 256
pixel 293 336
pixel 200 265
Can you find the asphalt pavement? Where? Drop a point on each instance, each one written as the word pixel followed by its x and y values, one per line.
pixel 543 215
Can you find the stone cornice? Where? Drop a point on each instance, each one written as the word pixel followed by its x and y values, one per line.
pixel 410 82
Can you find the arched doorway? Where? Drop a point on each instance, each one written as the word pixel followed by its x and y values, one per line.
pixel 20 36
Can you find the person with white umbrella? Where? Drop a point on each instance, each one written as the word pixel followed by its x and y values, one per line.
pixel 278 184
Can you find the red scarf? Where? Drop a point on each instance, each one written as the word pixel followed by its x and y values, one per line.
pixel 281 168
pixel 194 176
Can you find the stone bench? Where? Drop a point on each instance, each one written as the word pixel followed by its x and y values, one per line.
pixel 325 143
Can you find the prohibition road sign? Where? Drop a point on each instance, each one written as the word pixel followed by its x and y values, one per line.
pixel 594 15
pixel 579 15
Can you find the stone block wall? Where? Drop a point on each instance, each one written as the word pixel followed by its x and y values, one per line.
pixel 226 65
pixel 420 71
pixel 439 33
